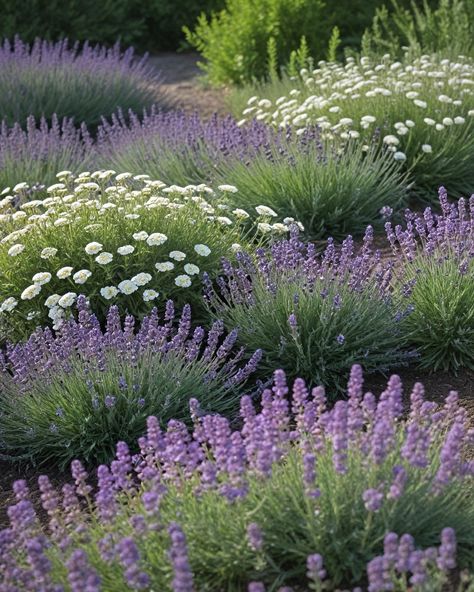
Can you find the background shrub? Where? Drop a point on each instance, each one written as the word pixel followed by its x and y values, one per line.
pixel 35 154
pixel 117 239
pixel 315 314
pixel 446 28
pixel 435 258
pixel 85 83
pixel 72 395
pixel 305 498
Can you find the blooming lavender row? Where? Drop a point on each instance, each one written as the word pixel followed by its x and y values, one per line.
pixel 264 505
pixel 110 380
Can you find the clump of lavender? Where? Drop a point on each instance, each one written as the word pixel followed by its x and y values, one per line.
pixel 35 154
pixel 335 191
pixel 74 394
pixel 314 313
pixel 435 261
pixel 83 82
pixel 223 508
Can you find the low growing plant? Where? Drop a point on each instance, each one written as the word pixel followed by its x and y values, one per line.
pixel 302 496
pixel 422 110
pixel 36 153
pixel 435 255
pixel 336 191
pixel 314 313
pixel 74 394
pixel 117 239
pixel 84 82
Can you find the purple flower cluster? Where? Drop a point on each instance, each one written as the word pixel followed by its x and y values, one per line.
pixel 145 490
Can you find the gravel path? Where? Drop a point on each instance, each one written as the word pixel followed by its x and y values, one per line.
pixel 183 85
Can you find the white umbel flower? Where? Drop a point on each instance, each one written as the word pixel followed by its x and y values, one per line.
pixel 156 239
pixel 30 292
pixel 41 278
pixel 141 279
pixel 125 250
pixel 81 276
pixel 67 300
pixel 183 281
pixel 15 250
pixel 202 250
pixel 64 272
pixel 177 255
pixel 191 269
pixel 164 266
pixel 93 248
pixel 104 258
pixel 127 287
pixel 149 295
pixel 9 304
pixel 109 292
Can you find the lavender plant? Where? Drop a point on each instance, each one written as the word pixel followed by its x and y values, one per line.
pixel 36 153
pixel 84 82
pixel 435 261
pixel 74 394
pixel 117 238
pixel 335 191
pixel 302 495
pixel 314 313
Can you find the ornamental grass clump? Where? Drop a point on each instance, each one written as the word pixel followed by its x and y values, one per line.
pixel 118 239
pixel 336 190
pixel 302 495
pixel 316 313
pixel 435 254
pixel 74 394
pixel 423 107
pixel 83 82
pixel 36 153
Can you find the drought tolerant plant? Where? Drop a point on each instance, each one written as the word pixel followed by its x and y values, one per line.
pixel 74 394
pixel 435 255
pixel 36 153
pixel 82 82
pixel 116 238
pixel 447 28
pixel 423 109
pixel 314 313
pixel 334 191
pixel 302 495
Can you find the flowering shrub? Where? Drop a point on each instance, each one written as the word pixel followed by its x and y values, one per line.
pixel 435 254
pixel 37 153
pixel 302 495
pixel 74 394
pixel 424 109
pixel 117 239
pixel 294 173
pixel 314 313
pixel 85 82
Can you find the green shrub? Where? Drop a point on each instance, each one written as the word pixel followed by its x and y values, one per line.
pixel 447 29
pixel 115 239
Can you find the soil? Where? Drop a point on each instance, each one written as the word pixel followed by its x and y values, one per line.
pixel 183 86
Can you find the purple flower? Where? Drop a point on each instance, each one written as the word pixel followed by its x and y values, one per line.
pixel 372 500
pixel 315 570
pixel 130 558
pixel 81 576
pixel 183 577
pixel 255 536
pixel 447 550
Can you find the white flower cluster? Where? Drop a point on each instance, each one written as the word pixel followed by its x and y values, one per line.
pixel 96 228
pixel 419 98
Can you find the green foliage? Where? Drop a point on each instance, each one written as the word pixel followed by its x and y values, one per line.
pixel 441 325
pixel 334 43
pixel 448 29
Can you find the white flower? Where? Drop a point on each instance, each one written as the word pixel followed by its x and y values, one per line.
pixel 150 295
pixel 224 220
pixel 427 148
pixel 391 140
pixel 400 156
pixel 127 287
pixel 165 266
pixel 429 121
pixel 52 300
pixel 123 176
pixel 236 247
pixel 93 248
pixel 439 127
pixel 64 272
pixel 264 227
pixel 67 300
pixel 280 228
pixel 445 99
pixel 227 188
pixel 104 258
pixel 125 250
pixel 471 112
pixel 191 269
pixel 30 292
pixel 81 276
pixel 346 121
pixel 141 279
pixel 409 123
pixel 61 222
pixel 265 211
pixel 109 292
pixel 177 255
pixel 183 281
pixel 239 213
pixel 202 250
pixel 9 304
pixel 20 187
pixel 368 119
pixel 156 239
pixel 48 252
pixel 459 120
pixel 448 121
pixel 132 216
pixel 41 278
pixel 15 250
pixel 140 236
pixel 419 103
